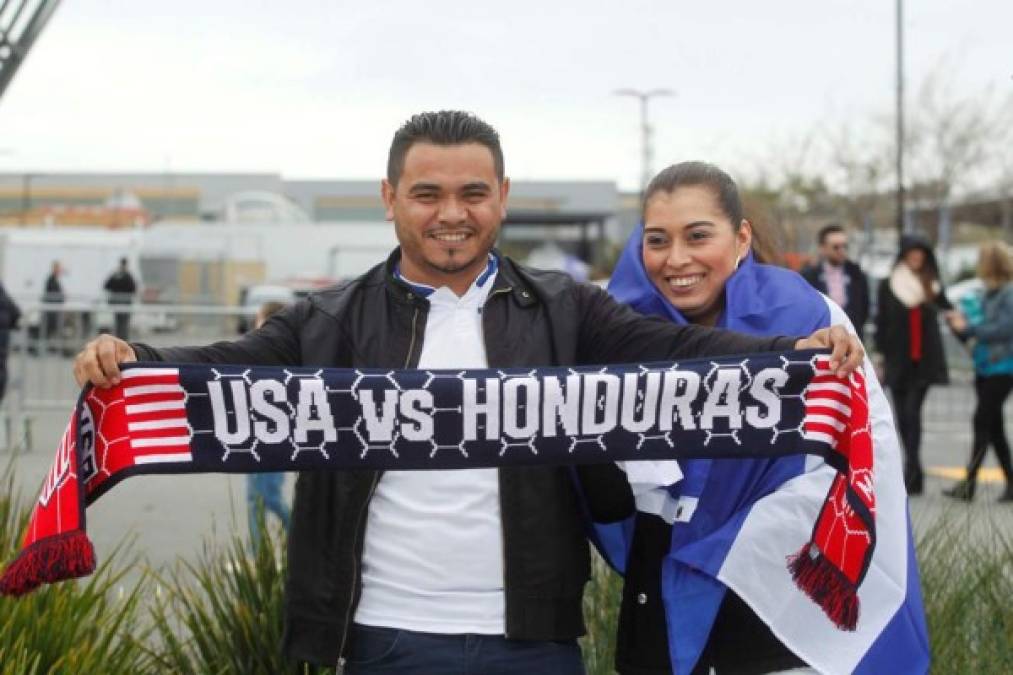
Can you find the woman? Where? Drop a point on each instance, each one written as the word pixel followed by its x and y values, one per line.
pixel 908 337
pixel 993 365
pixel 692 262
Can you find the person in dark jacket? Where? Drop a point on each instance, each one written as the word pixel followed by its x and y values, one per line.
pixel 432 572
pixel 911 344
pixel 839 278
pixel 988 321
pixel 10 314
pixel 53 294
pixel 121 288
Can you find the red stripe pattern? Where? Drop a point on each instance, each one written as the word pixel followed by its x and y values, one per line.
pixel 154 406
pixel 832 565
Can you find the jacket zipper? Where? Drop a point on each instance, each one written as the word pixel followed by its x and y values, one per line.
pixel 502 532
pixel 359 527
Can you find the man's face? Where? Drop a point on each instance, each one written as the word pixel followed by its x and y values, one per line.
pixel 447 208
pixel 834 248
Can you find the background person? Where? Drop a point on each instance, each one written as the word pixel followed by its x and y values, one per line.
pixel 121 288
pixel 475 570
pixel 911 344
pixel 52 293
pixel 692 262
pixel 10 314
pixel 988 321
pixel 839 278
pixel 263 490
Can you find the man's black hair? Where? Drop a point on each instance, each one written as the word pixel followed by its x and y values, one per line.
pixel 827 230
pixel 446 127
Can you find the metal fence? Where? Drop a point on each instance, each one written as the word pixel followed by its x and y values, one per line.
pixel 41 354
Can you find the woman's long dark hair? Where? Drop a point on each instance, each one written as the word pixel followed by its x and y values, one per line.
pixel 929 273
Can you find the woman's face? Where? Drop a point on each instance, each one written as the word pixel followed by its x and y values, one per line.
pixel 690 249
pixel 915 259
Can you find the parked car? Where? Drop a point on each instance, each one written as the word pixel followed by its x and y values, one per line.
pixel 954 292
pixel 251 298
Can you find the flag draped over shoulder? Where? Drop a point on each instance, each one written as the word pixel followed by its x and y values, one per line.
pixel 735 523
pixel 199 418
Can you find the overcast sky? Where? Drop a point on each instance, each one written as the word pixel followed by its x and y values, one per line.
pixel 315 88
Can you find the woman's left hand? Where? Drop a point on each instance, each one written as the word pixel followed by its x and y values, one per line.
pixel 846 351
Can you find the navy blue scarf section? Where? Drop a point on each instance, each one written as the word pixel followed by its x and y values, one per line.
pixel 250 419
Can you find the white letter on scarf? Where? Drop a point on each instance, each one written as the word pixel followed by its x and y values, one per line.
pixel 512 407
pixel 472 409
pixel 609 402
pixel 566 408
pixel 379 428
pixel 240 408
pixel 274 414
pixel 726 386
pixel 765 394
pixel 649 404
pixel 312 395
pixel 412 403
pixel 671 402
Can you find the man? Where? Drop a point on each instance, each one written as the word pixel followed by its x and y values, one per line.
pixel 839 278
pixel 10 314
pixel 52 293
pixel 121 288
pixel 478 571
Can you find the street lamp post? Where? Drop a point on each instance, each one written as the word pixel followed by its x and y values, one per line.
pixel 646 149
pixel 26 196
pixel 901 221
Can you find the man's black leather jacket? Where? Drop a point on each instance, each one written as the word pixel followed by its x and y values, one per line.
pixel 531 318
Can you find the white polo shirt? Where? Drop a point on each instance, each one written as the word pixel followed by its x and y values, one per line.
pixel 433 554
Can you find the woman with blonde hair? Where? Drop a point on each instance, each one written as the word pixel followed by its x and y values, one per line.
pixel 988 320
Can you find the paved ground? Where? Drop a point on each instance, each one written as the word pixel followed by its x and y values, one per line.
pixel 173 517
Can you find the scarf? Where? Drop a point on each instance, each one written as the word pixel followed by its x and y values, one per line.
pixel 234 419
pixel 907 287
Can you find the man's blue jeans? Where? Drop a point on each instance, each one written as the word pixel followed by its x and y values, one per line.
pixel 263 491
pixel 383 651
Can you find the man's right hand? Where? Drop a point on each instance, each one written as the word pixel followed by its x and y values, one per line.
pixel 99 361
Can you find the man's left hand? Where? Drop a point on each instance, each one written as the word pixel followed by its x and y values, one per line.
pixel 846 353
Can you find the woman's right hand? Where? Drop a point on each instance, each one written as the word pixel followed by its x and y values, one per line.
pixel 956 321
pixel 99 361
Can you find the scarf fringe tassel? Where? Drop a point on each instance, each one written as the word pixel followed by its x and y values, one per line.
pixel 824 583
pixel 64 556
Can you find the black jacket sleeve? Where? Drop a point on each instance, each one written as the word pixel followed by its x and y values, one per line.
pixel 610 332
pixel 10 309
pixel 607 493
pixel 276 343
pixel 859 301
pixel 882 303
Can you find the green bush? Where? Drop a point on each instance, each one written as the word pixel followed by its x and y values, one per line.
pixel 224 614
pixel 967 583
pixel 601 613
pixel 85 626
